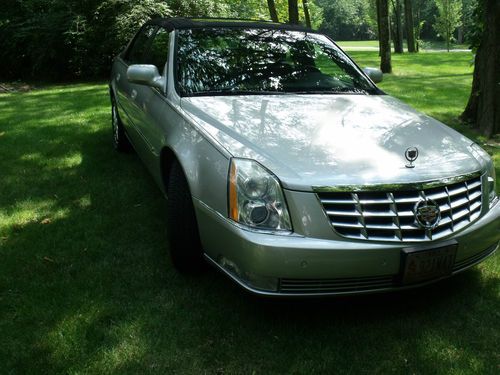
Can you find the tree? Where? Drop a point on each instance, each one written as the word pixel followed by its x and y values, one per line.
pixel 398 26
pixel 409 25
pixel 272 10
pixel 347 20
pixel 307 16
pixel 293 12
pixel 483 108
pixel 68 38
pixel 384 36
pixel 450 14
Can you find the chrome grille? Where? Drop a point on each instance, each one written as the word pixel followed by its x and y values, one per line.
pixel 390 216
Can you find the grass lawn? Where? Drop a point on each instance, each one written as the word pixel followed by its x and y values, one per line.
pixel 86 285
pixel 426 45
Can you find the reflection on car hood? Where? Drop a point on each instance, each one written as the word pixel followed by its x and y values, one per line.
pixel 329 140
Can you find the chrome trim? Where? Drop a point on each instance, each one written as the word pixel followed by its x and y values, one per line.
pixel 392 215
pixel 397 187
pixel 494 201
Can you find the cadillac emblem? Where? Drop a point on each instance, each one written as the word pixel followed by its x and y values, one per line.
pixel 411 154
pixel 427 213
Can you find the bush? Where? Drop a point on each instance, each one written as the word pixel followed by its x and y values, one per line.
pixel 61 39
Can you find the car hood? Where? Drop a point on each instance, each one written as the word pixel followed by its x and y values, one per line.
pixel 331 140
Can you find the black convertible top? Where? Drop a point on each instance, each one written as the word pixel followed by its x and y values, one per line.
pixel 203 23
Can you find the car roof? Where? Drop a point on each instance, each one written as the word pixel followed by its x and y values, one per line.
pixel 203 23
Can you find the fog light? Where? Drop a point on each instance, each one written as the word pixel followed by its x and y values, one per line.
pixel 264 283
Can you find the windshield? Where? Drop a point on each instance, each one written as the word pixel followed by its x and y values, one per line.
pixel 229 61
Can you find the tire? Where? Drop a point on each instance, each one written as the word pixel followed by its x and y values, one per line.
pixel 120 140
pixel 183 236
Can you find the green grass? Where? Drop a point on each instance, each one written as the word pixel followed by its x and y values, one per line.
pixel 86 285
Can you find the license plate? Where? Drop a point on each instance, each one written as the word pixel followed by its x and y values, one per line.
pixel 425 264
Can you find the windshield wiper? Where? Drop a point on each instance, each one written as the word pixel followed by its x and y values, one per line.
pixel 237 92
pixel 334 91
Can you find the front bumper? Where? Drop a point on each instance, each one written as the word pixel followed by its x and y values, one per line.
pixel 297 265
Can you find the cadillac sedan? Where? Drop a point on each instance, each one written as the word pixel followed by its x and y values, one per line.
pixel 286 168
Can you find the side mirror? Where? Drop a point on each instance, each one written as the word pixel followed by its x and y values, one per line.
pixel 145 75
pixel 375 74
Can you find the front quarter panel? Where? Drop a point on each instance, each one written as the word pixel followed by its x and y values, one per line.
pixel 205 166
pixel 204 161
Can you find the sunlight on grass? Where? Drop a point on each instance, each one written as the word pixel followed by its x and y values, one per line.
pixel 63 162
pixel 30 211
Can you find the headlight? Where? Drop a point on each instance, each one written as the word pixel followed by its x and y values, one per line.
pixel 483 157
pixel 256 198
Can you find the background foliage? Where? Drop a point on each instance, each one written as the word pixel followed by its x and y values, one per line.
pixel 61 39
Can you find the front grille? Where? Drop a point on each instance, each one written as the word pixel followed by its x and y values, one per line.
pixel 390 215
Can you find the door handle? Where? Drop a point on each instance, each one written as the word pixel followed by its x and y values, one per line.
pixel 133 94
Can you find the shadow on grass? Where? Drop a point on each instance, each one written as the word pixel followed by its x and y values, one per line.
pixel 92 289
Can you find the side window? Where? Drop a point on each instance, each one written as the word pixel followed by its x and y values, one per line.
pixel 158 52
pixel 135 54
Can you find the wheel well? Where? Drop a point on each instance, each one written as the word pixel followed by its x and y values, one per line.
pixel 167 158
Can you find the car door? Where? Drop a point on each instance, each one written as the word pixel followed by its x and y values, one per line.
pixel 131 97
pixel 153 104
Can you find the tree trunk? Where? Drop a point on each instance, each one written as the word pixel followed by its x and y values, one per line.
pixel 410 32
pixel 418 28
pixel 384 36
pixel 272 10
pixel 448 37
pixel 483 108
pixel 306 13
pixel 378 26
pixel 398 26
pixel 460 34
pixel 293 12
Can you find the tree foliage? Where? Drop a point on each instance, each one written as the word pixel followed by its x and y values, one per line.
pixel 449 18
pixel 60 39
pixel 68 38
pixel 348 20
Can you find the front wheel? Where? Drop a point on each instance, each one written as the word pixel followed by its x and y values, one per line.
pixel 120 140
pixel 184 239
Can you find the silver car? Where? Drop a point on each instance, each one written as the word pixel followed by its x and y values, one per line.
pixel 287 169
